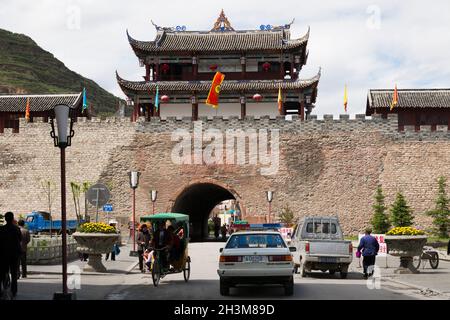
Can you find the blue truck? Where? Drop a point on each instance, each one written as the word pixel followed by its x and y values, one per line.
pixel 40 221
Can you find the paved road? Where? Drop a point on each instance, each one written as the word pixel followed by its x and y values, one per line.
pixel 204 284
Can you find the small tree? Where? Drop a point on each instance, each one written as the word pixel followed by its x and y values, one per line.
pixel 441 213
pixel 401 214
pixel 84 189
pixel 48 187
pixel 287 215
pixel 76 191
pixel 380 220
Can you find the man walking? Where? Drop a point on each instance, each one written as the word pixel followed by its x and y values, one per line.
pixel 11 238
pixel 217 223
pixel 23 244
pixel 369 247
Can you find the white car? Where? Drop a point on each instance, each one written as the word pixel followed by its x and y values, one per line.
pixel 256 257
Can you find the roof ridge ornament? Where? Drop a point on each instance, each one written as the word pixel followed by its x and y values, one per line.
pixel 286 26
pixel 222 23
pixel 159 28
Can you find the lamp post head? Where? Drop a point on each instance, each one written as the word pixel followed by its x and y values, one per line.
pixel 269 195
pixel 64 125
pixel 134 179
pixel 154 195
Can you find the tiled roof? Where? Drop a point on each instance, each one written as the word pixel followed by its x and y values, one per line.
pixel 410 98
pixel 227 86
pixel 18 103
pixel 213 41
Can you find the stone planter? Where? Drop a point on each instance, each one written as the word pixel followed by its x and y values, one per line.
pixel 405 247
pixel 95 244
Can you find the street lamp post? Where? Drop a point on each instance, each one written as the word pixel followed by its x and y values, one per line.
pixel 62 139
pixel 134 182
pixel 269 195
pixel 154 195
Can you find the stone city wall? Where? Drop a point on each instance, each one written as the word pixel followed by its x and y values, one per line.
pixel 327 167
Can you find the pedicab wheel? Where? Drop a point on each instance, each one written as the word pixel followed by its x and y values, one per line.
pixel 434 260
pixel 187 269
pixel 416 262
pixel 156 273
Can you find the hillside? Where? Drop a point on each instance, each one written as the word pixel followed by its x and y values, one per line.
pixel 25 68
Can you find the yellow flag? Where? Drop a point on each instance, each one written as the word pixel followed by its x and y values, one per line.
pixel 280 100
pixel 345 98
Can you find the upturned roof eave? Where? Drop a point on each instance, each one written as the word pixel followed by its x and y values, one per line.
pixel 136 87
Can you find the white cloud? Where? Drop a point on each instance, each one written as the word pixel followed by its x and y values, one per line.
pixel 410 48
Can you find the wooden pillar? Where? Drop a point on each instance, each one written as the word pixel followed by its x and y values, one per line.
pixel 157 111
pixel 301 108
pixel 194 68
pixel 243 107
pixel 2 124
pixel 149 111
pixel 282 72
pixel 136 112
pixel 157 72
pixel 147 72
pixel 244 67
pixel 194 103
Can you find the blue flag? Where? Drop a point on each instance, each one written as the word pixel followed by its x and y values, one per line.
pixel 157 99
pixel 84 100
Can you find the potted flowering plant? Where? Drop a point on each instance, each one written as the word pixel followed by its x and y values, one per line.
pixel 405 242
pixel 94 239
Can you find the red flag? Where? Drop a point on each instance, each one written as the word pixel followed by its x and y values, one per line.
pixel 213 96
pixel 27 110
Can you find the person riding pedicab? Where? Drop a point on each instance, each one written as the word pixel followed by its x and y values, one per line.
pixel 162 239
pixel 174 251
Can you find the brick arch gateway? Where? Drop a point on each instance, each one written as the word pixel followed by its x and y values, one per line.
pixel 197 200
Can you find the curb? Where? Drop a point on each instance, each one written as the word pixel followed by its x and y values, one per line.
pixel 419 287
pixel 131 267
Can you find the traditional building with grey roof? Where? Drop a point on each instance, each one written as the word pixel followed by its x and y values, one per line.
pixel 256 64
pixel 415 107
pixel 13 107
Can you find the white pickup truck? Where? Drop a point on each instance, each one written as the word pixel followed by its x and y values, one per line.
pixel 321 246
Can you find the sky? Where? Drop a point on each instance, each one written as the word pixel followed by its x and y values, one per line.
pixel 364 44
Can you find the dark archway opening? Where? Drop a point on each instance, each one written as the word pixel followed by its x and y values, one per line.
pixel 197 201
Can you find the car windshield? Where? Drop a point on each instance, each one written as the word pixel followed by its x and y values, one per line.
pixel 30 219
pixel 239 241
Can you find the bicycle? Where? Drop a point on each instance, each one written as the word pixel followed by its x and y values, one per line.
pixel 159 271
pixel 428 253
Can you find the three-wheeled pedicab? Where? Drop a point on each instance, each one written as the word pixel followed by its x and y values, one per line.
pixel 180 261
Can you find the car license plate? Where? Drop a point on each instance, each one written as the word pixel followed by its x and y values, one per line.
pixel 327 259
pixel 253 259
